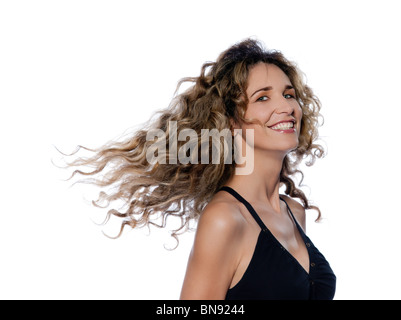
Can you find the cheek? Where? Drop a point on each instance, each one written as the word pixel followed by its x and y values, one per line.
pixel 300 114
pixel 296 106
pixel 261 114
pixel 298 111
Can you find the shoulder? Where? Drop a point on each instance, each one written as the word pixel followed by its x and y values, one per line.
pixel 297 209
pixel 220 230
pixel 214 255
pixel 221 219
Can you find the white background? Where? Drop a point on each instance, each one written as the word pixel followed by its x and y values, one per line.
pixel 83 72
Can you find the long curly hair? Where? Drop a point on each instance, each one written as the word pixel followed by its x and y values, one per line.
pixel 152 191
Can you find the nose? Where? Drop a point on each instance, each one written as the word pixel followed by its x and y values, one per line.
pixel 284 105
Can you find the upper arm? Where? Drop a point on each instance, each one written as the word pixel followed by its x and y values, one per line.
pixel 214 255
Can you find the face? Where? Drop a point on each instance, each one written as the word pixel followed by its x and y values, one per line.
pixel 272 101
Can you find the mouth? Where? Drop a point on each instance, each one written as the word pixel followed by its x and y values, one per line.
pixel 287 126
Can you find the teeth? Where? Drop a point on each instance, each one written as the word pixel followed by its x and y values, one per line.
pixel 283 126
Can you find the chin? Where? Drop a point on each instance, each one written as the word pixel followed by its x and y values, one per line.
pixel 283 149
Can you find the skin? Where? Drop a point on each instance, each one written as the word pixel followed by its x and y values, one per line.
pixel 227 233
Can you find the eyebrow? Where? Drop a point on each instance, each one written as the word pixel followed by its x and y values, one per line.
pixel 287 87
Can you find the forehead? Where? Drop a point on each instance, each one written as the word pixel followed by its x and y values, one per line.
pixel 264 75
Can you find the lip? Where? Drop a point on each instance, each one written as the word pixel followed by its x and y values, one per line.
pixel 292 130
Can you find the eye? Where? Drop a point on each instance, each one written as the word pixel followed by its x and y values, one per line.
pixel 262 98
pixel 289 96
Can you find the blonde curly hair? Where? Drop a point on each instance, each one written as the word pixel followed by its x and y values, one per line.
pixel 217 95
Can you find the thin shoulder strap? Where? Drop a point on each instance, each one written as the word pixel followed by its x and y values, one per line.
pixel 292 215
pixel 247 205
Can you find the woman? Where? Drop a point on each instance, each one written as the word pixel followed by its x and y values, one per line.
pixel 250 241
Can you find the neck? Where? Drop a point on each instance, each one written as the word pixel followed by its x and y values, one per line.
pixel 263 183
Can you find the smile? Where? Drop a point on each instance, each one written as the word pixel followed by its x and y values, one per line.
pixel 284 127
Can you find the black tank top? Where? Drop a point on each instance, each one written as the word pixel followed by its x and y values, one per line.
pixel 274 274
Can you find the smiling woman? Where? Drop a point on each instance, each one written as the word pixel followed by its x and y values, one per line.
pixel 237 252
pixel 257 248
pixel 274 107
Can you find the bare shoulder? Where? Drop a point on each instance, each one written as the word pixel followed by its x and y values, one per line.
pixel 221 218
pixel 220 229
pixel 297 209
pixel 214 255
